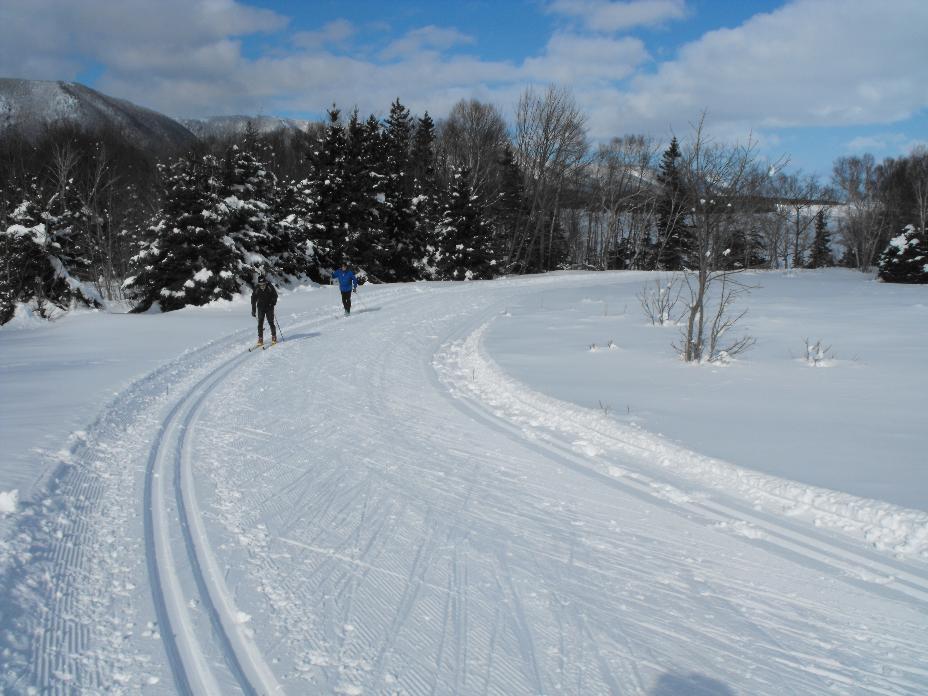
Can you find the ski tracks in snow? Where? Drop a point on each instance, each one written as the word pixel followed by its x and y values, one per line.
pixel 374 508
pixel 704 490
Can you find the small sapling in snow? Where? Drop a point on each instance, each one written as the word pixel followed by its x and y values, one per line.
pixel 817 354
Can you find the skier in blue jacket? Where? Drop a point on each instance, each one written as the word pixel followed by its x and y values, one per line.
pixel 347 283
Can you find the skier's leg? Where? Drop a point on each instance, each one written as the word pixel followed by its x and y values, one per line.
pixel 346 301
pixel 260 324
pixel 270 321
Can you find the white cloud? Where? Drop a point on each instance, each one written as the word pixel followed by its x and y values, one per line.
pixel 334 33
pixel 808 63
pixel 888 143
pixel 811 62
pixel 606 16
pixel 425 38
pixel 572 59
pixel 879 142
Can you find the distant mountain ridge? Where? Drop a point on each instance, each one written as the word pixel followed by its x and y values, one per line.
pixel 224 126
pixel 30 106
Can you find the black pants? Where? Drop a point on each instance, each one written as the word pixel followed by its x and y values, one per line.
pixel 269 313
pixel 346 301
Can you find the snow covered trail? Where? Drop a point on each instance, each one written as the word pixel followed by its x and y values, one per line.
pixel 370 508
pixel 393 543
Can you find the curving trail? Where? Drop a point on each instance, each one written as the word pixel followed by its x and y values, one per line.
pixel 372 507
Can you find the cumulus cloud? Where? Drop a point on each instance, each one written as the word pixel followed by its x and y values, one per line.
pixel 606 16
pixel 811 62
pixel 425 38
pixel 887 143
pixel 807 63
pixel 333 33
pixel 572 59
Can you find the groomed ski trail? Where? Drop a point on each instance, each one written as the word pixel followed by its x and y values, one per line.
pixel 370 511
pixel 395 543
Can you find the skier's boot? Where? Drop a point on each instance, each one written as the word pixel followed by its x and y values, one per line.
pixel 260 342
pixel 273 340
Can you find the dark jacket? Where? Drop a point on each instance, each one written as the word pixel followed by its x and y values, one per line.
pixel 265 299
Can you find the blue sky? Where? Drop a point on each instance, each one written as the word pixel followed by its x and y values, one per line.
pixel 812 79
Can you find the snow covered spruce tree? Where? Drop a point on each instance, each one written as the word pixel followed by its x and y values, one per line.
pixel 39 250
pixel 325 192
pixel 673 235
pixel 821 256
pixel 294 217
pixel 364 159
pixel 188 257
pixel 905 258
pixel 401 245
pixel 248 197
pixel 464 239
pixel 427 198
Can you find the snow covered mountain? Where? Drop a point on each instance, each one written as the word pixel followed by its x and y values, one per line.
pixel 32 105
pixel 223 126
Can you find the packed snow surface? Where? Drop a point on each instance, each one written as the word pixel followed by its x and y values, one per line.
pixel 507 487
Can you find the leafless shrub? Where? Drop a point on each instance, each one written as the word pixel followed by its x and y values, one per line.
pixel 817 353
pixel 658 299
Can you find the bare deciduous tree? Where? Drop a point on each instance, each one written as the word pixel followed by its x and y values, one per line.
pixel 719 180
pixel 919 178
pixel 622 201
pixel 864 224
pixel 550 145
pixel 472 138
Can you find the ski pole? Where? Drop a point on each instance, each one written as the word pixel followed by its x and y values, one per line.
pixel 279 332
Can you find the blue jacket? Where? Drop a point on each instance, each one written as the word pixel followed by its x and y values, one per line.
pixel 346 280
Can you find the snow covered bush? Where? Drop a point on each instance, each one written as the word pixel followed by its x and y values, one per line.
pixel 40 251
pixel 818 354
pixel 905 259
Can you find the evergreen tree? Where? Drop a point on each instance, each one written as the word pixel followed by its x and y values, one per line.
pixel 189 257
pixel 37 249
pixel 295 214
pixel 465 243
pixel 508 207
pixel 363 161
pixel 821 255
pixel 905 258
pixel 673 237
pixel 68 222
pixel 366 249
pixel 326 185
pixel 427 199
pixel 248 198
pixel 400 245
pixel 422 157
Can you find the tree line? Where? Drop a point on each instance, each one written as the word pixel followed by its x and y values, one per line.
pixel 88 217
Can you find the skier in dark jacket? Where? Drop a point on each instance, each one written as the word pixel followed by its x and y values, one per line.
pixel 347 283
pixel 263 299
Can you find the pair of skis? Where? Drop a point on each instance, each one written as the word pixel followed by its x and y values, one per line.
pixel 263 346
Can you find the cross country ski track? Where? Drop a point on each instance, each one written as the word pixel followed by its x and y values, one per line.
pixel 374 507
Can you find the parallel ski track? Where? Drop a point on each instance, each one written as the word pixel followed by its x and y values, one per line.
pixel 169 479
pixel 793 540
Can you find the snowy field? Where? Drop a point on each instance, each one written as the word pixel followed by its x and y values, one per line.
pixel 449 492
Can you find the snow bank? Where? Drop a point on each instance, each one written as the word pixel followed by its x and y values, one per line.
pixel 470 373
